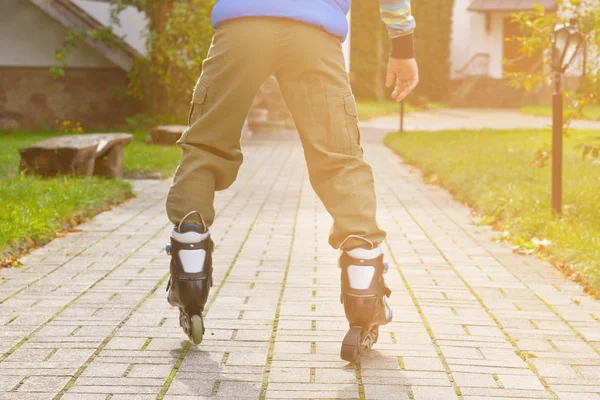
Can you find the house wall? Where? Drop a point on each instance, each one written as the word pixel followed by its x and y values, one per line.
pixel 30 38
pixel 30 98
pixel 460 43
pixel 489 40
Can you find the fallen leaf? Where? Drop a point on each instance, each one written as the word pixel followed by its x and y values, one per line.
pixel 497 226
pixel 541 243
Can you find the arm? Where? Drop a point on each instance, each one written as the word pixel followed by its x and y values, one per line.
pixel 401 24
pixel 402 66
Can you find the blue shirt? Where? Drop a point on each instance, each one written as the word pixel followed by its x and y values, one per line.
pixel 327 14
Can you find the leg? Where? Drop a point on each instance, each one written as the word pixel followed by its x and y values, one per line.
pixel 315 85
pixel 239 61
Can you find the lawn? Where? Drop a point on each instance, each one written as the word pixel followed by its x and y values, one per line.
pixel 141 158
pixel 371 109
pixel 34 209
pixel 591 112
pixel 490 171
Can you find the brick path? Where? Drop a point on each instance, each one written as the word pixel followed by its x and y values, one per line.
pixel 470 118
pixel 86 316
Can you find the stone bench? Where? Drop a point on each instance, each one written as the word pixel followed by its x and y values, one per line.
pixel 84 155
pixel 166 135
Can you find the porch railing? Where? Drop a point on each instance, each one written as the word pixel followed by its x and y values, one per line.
pixel 478 65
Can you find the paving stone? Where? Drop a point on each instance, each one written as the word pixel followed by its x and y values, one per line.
pixel 386 392
pixel 44 384
pixel 433 393
pixel 290 375
pixel 150 371
pixel 531 382
pixel 578 396
pixel 238 390
pixel 107 370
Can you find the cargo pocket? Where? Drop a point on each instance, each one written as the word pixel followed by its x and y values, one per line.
pixel 196 109
pixel 198 103
pixel 352 124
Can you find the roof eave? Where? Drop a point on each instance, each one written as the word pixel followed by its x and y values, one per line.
pixel 71 16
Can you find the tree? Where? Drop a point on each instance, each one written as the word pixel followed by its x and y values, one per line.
pixel 369 47
pixel 432 46
pixel 537 27
pixel 178 38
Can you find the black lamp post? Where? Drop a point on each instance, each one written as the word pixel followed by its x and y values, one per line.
pixel 402 116
pixel 565 45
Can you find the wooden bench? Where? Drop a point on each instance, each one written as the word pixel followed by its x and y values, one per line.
pixel 84 155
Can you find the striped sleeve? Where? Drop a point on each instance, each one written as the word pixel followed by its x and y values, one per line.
pixel 401 24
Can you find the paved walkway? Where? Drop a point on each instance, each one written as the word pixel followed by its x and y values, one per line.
pixel 86 317
pixel 456 118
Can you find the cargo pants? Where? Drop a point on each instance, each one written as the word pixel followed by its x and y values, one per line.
pixel 309 66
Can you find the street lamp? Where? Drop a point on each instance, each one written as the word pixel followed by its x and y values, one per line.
pixel 402 116
pixel 567 42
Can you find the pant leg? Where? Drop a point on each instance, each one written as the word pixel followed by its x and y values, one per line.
pixel 314 82
pixel 239 60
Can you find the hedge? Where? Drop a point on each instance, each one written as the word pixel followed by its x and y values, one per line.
pixel 368 50
pixel 370 46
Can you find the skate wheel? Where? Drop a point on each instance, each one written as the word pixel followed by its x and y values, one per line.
pixel 196 329
pixel 351 346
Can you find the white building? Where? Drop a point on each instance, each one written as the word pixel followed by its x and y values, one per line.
pixel 479 32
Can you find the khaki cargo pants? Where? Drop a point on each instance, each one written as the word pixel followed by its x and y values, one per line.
pixel 309 66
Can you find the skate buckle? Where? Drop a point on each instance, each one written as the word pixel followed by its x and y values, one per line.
pixel 168 249
pixel 386 267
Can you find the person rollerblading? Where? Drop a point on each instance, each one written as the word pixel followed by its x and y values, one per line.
pixel 191 275
pixel 300 44
pixel 364 295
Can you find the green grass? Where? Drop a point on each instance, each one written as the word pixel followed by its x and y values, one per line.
pixel 142 158
pixel 34 209
pixel 371 109
pixel 490 171
pixel 591 112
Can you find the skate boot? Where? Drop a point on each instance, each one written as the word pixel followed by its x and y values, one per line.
pixel 191 276
pixel 364 295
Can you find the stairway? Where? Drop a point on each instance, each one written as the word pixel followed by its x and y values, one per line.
pixel 481 91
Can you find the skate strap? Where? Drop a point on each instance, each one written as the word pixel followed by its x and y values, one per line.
pixel 206 245
pixel 347 260
pixel 387 291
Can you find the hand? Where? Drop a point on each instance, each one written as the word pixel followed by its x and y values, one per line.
pixel 406 75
